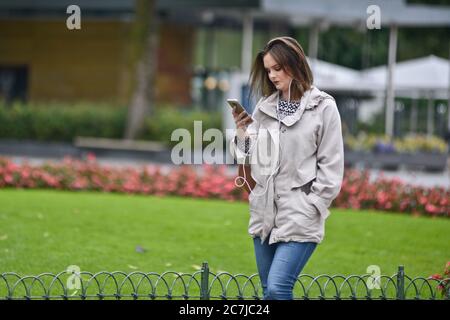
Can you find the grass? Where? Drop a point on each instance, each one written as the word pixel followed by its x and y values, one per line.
pixel 46 231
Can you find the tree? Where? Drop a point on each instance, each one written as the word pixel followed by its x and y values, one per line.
pixel 144 55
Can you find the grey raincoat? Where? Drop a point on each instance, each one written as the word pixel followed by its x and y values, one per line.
pixel 298 166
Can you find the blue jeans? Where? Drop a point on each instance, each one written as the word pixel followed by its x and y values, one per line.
pixel 279 265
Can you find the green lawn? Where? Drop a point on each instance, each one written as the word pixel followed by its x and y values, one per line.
pixel 46 231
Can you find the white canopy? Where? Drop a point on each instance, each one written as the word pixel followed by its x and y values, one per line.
pixel 333 77
pixel 415 78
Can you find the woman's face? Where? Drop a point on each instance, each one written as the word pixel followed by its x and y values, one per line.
pixel 276 74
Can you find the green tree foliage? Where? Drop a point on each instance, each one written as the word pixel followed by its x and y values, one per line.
pixel 362 48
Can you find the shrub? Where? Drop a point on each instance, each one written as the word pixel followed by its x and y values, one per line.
pixel 55 122
pixel 160 126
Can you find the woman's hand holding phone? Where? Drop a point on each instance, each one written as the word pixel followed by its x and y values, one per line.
pixel 242 119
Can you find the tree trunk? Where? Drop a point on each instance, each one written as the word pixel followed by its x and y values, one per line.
pixel 144 49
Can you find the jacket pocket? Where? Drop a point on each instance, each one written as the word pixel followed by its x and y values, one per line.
pixel 303 202
pixel 305 172
pixel 303 183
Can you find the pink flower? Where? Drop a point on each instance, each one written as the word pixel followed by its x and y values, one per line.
pixel 8 178
pixel 423 200
pixel 90 157
pixel 436 276
pixel 431 208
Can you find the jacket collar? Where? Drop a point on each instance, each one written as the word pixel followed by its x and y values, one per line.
pixel 309 100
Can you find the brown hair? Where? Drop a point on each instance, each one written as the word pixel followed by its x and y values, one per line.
pixel 290 55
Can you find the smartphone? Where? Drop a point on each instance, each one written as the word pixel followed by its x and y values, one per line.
pixel 234 103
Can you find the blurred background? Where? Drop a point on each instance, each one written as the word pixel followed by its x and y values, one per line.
pixel 140 69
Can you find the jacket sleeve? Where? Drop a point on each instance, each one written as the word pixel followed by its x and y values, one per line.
pixel 330 161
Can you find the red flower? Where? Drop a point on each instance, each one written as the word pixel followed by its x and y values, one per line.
pixel 8 178
pixel 436 276
pixel 431 208
pixel 423 200
pixel 90 157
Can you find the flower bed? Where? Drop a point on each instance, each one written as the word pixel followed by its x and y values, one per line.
pixel 391 195
pixel 411 144
pixel 357 191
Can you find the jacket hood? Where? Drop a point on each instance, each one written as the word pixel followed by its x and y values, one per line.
pixel 309 100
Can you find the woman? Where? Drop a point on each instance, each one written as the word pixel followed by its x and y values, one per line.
pixel 298 128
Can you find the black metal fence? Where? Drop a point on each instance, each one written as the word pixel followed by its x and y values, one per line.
pixel 206 285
